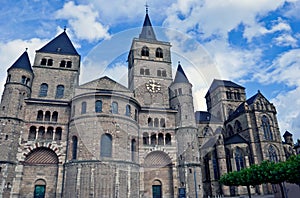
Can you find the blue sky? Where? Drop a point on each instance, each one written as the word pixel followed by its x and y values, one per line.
pixel 252 42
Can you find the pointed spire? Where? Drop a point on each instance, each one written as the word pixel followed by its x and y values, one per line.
pixel 147 31
pixel 60 45
pixel 22 62
pixel 180 76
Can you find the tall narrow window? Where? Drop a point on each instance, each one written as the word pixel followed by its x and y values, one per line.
pixel 228 160
pixel 98 106
pixel 215 165
pixel 133 149
pixel 153 139
pixel 49 133
pixel 164 73
pixel 135 115
pixel 160 139
pixel 145 51
pixel 106 145
pixel 158 72
pixel 23 80
pixel 147 72
pixel 58 133
pixel 83 107
pixel 128 110
pixel 40 115
pixel 237 126
pixel 150 122
pixel 32 133
pixel 266 127
pixel 159 53
pixel 62 63
pixel 74 147
pixel 47 116
pixel 145 138
pixel 43 90
pixel 162 123
pixel 156 122
pixel 50 62
pixel 54 116
pixel 8 78
pixel 27 81
pixel 43 61
pixel 272 154
pixel 168 139
pixel 142 71
pixel 41 133
pixel 60 89
pixel 114 108
pixel 39 189
pixel 69 64
pixel 239 159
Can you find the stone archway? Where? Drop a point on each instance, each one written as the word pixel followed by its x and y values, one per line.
pixel 158 168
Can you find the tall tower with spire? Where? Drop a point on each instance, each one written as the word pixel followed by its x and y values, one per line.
pixel 17 89
pixel 181 99
pixel 149 68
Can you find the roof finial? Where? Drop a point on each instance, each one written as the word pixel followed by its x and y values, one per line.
pixel 147 6
pixel 65 27
pixel 178 62
pixel 26 49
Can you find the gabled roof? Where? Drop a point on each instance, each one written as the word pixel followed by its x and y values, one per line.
pixel 104 83
pixel 252 99
pixel 22 62
pixel 223 83
pixel 147 31
pixel 235 139
pixel 287 134
pixel 60 45
pixel 205 117
pixel 180 76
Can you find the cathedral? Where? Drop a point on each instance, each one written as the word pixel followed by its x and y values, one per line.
pixel 59 138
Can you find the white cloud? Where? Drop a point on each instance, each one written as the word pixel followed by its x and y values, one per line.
pixel 286 40
pixel 83 19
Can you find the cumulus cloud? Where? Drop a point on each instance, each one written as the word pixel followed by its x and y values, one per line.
pixel 83 19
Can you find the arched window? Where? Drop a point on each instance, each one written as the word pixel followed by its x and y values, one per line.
pixel 114 108
pixel 145 51
pixel 135 115
pixel 162 123
pixel 54 116
pixel 98 106
pixel 49 133
pixel 41 133
pixel 62 63
pixel 23 79
pixel 272 154
pixel 106 145
pixel 43 90
pixel 150 122
pixel 239 159
pixel 58 133
pixel 83 107
pixel 69 64
pixel 32 133
pixel 40 115
pixel 50 62
pixel 128 110
pixel 60 89
pixel 229 130
pixel 145 138
pixel 159 72
pixel 47 116
pixel 215 165
pixel 39 189
pixel 27 81
pixel 206 168
pixel 74 147
pixel 133 149
pixel 266 127
pixel 156 122
pixel 43 61
pixel 228 160
pixel 168 139
pixel 160 139
pixel 237 127
pixel 153 139
pixel 159 53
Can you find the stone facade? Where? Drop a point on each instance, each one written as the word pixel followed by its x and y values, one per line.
pixel 102 139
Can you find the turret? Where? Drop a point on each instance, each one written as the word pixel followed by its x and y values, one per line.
pixel 288 138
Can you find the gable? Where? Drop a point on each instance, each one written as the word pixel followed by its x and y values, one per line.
pixel 104 83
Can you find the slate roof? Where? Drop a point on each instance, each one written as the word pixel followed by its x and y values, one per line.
pixel 147 31
pixel 22 62
pixel 60 45
pixel 180 76
pixel 286 134
pixel 205 117
pixel 235 139
pixel 223 83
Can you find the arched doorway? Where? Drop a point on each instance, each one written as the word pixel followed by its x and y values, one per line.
pixel 158 175
pixel 40 189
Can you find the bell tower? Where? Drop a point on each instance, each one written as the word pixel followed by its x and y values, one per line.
pixel 149 68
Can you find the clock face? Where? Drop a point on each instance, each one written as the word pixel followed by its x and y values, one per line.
pixel 153 86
